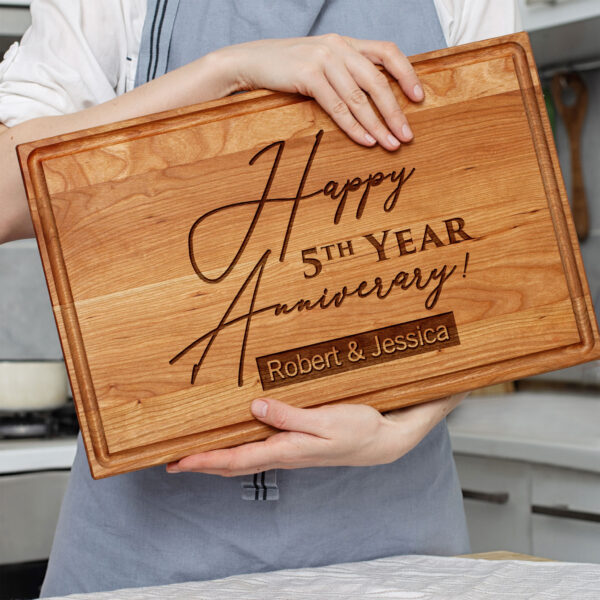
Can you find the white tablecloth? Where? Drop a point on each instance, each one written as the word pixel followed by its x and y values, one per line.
pixel 414 577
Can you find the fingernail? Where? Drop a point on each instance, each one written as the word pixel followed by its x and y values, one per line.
pixel 173 468
pixel 407 131
pixel 393 141
pixel 370 139
pixel 418 92
pixel 259 408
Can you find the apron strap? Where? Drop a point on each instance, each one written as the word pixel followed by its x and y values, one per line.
pixel 260 486
pixel 156 39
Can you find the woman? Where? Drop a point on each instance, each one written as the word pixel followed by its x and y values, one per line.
pixel 351 484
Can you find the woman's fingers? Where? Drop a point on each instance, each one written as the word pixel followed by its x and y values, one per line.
pixel 249 458
pixel 351 71
pixel 337 109
pixel 395 63
pixel 377 85
pixel 353 94
pixel 280 451
pixel 284 416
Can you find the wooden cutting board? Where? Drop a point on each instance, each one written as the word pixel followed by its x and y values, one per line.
pixel 203 257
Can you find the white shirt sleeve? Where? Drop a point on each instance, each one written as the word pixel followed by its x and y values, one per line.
pixel 77 53
pixel 465 21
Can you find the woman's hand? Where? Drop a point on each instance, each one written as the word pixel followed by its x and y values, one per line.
pixel 338 72
pixel 337 435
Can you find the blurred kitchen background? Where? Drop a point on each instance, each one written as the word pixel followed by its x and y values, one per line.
pixel 528 454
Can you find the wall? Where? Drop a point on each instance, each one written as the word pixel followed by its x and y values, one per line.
pixel 27 328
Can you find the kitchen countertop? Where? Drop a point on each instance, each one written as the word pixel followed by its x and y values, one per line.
pixel 19 456
pixel 556 428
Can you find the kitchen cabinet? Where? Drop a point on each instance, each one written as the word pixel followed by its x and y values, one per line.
pixel 565 539
pixel 541 14
pixel 496 503
pixel 565 507
pixel 14 20
pixel 530 508
pixel 30 505
pixel 530 467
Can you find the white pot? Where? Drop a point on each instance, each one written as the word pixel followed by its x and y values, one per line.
pixel 33 385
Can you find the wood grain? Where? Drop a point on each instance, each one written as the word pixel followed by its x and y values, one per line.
pixel 185 251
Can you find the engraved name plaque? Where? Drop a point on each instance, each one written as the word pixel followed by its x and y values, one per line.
pixel 203 257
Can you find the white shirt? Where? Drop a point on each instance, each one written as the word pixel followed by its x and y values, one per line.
pixel 66 62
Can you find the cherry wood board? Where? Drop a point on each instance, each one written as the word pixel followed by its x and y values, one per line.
pixel 206 256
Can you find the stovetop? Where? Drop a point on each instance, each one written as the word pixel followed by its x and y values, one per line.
pixel 34 441
pixel 51 424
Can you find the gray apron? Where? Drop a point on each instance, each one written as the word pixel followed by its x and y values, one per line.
pixel 151 528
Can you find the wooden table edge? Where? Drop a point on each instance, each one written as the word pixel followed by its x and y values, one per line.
pixel 505 555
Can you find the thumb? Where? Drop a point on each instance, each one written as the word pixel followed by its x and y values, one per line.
pixel 288 418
